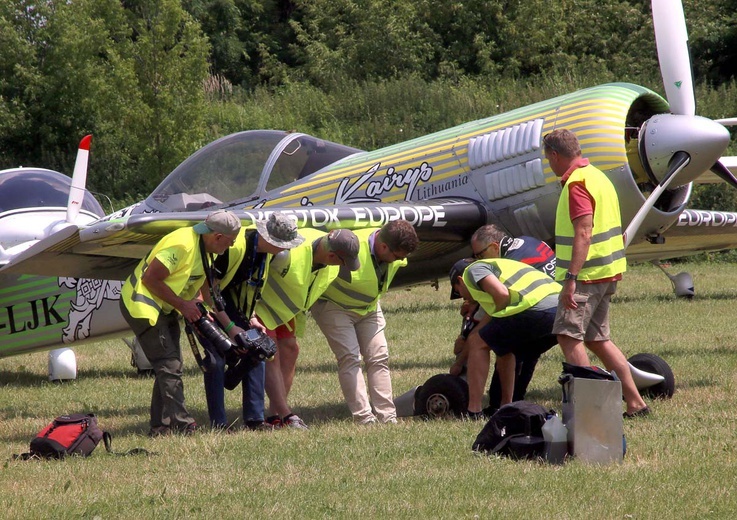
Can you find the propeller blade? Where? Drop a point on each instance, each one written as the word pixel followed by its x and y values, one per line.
pixel 721 171
pixel 679 161
pixel 79 179
pixel 671 39
pixel 729 121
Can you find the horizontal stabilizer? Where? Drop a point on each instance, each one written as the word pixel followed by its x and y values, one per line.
pixel 41 255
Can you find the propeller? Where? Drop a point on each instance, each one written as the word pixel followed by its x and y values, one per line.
pixel 678 162
pixel 721 171
pixel 79 180
pixel 677 148
pixel 729 121
pixel 671 39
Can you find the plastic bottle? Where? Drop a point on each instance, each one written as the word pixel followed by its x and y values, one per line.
pixel 555 434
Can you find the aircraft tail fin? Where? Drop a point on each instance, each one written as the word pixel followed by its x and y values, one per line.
pixel 79 179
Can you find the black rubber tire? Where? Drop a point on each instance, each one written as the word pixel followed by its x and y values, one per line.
pixel 442 396
pixel 656 365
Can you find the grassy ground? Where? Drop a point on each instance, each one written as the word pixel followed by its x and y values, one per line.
pixel 681 462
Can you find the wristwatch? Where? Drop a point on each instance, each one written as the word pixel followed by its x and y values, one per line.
pixel 570 276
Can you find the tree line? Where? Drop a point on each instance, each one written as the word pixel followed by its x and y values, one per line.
pixel 153 80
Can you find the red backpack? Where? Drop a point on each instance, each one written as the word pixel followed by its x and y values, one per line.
pixel 74 434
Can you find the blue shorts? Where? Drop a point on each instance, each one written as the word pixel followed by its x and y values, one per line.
pixel 527 334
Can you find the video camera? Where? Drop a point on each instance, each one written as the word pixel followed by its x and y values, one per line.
pixel 251 347
pixel 216 338
pixel 257 346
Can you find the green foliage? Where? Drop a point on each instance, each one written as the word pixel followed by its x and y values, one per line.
pixel 169 54
pixel 153 80
pixel 133 78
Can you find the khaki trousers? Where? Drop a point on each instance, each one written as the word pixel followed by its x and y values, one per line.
pixel 351 337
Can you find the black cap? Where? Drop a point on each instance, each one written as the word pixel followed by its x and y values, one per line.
pixel 455 272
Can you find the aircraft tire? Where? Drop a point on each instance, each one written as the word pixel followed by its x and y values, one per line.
pixel 442 396
pixel 656 365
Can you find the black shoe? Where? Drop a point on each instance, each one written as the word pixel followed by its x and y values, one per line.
pixel 489 411
pixel 642 412
pixel 258 426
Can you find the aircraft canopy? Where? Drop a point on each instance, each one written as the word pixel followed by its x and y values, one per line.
pixel 243 166
pixel 39 188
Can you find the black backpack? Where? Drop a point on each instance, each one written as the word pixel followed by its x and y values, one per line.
pixel 515 430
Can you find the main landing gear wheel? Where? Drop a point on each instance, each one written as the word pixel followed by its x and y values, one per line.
pixel 656 365
pixel 442 396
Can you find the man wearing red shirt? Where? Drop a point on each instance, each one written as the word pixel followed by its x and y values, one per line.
pixel 590 261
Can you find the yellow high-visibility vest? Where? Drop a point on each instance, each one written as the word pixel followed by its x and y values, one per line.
pixel 294 287
pixel 179 251
pixel 606 252
pixel 526 285
pixel 361 293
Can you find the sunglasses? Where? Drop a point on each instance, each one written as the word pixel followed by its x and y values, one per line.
pixel 548 144
pixel 477 254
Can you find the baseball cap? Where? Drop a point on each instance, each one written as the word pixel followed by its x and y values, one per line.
pixel 280 231
pixel 457 270
pixel 220 221
pixel 344 243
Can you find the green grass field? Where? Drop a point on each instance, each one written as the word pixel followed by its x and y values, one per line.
pixel 681 462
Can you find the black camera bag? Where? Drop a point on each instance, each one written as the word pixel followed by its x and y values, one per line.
pixel 515 430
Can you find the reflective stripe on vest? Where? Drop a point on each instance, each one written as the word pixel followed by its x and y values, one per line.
pixel 295 288
pixel 606 257
pixel 361 293
pixel 526 285
pixel 236 256
pixel 185 279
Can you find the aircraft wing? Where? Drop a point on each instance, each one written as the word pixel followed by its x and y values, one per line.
pixel 694 232
pixel 110 249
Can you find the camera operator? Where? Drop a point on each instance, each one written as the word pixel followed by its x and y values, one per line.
pixel 164 285
pixel 240 274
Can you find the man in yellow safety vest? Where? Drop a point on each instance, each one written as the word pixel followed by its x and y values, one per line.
pixel 590 261
pixel 349 315
pixel 164 285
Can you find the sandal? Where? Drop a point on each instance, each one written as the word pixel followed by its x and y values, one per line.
pixel 642 412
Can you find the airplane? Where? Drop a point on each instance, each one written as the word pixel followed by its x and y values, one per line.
pixel 62 266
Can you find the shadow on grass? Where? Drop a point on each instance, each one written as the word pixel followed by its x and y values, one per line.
pixel 323 413
pixel 21 378
pixel 332 368
pixel 551 393
pixel 696 383
pixel 669 297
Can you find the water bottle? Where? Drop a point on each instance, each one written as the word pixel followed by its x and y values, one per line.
pixel 555 434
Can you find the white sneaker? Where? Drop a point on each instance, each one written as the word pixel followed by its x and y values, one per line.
pixel 294 421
